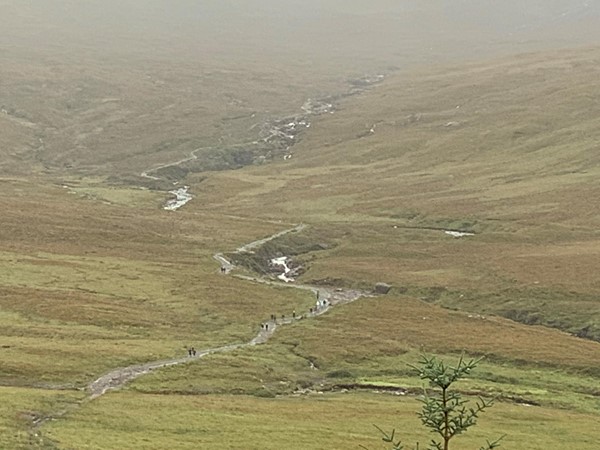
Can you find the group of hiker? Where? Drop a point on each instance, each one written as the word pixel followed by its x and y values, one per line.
pixel 321 303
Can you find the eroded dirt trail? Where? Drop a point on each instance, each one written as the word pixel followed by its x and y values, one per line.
pixel 328 297
pixel 119 377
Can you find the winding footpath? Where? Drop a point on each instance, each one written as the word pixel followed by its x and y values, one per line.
pixel 284 131
pixel 286 128
pixel 192 156
pixel 117 378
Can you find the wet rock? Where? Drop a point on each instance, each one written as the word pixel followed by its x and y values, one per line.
pixel 382 288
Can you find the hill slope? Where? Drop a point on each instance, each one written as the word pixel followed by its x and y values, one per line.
pixel 507 150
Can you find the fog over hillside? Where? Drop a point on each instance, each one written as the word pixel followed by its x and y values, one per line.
pixel 380 30
pixel 110 82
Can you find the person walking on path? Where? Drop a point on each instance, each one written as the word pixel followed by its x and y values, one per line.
pixel 293 314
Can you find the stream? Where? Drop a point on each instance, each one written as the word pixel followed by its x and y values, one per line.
pixel 276 136
pixel 182 196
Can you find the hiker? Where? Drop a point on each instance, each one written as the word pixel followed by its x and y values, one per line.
pixel 266 327
pixel 223 269
pixel 189 352
pixel 293 314
pixel 311 310
pixel 193 351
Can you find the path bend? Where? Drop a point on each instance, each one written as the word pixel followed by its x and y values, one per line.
pixel 119 377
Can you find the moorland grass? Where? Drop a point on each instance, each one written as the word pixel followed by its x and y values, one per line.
pixel 374 341
pixel 132 285
pixel 532 276
pixel 106 278
pixel 21 407
pixel 120 420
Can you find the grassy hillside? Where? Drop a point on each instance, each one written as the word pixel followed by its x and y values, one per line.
pixel 98 285
pixel 505 150
pixel 95 275
pixel 377 205
pixel 311 422
pixel 116 88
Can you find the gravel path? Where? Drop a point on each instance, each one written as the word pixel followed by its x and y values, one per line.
pixel 117 378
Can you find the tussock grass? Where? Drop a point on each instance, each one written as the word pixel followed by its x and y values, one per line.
pixel 99 286
pixel 373 341
pixel 308 422
pixel 20 408
pixel 96 276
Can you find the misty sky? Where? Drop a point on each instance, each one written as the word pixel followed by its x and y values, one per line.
pixel 351 28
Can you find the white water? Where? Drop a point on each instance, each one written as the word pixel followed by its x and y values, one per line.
pixel 282 261
pixel 283 129
pixel 458 234
pixel 182 196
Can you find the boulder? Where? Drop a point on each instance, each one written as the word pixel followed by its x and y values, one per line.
pixel 382 288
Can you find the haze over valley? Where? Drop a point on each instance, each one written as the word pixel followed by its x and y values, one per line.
pixel 238 224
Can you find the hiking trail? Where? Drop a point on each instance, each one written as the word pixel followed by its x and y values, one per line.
pixel 119 377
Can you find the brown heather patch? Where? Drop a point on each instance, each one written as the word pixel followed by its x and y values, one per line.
pixel 79 308
pixel 367 329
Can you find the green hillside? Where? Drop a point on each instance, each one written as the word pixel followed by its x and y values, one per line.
pixel 505 150
pixel 455 161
